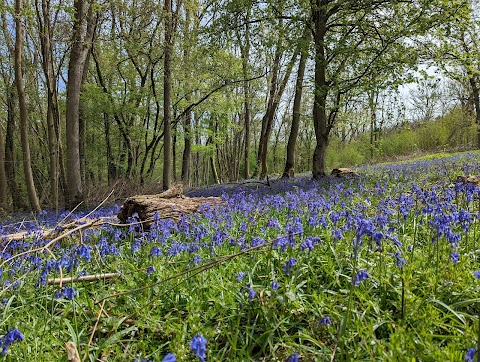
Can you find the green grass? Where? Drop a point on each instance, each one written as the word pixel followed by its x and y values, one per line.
pixel 423 310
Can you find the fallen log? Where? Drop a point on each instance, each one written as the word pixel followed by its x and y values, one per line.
pixel 167 208
pixel 339 172
pixel 470 179
pixel 85 278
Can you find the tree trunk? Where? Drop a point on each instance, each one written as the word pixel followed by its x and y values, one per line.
pixel 83 32
pixel 187 150
pixel 372 103
pixel 111 168
pixel 167 95
pixel 320 121
pixel 187 118
pixel 289 170
pixel 3 176
pixel 245 51
pixel 27 166
pixel 17 199
pixel 276 93
pixel 269 113
pixel 174 156
pixel 476 102
pixel 43 19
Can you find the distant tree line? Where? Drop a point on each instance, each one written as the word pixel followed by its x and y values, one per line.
pixel 205 91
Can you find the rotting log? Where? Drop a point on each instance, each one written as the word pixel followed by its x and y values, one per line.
pixel 471 179
pixel 339 172
pixel 167 208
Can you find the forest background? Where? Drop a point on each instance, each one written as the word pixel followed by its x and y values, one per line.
pixel 96 95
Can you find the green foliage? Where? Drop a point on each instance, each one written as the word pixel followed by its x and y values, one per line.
pixel 426 308
pixel 454 131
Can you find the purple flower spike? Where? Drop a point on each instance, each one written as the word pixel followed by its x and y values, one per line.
pixel 470 356
pixel 198 344
pixel 275 285
pixel 361 276
pixel 325 321
pixel 169 358
pixel 13 335
pixel 293 358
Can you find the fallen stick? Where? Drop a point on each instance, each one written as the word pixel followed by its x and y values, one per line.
pixel 72 353
pixel 85 278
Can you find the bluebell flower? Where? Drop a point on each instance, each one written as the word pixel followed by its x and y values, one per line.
pixel 67 293
pixel 169 358
pixel 470 356
pixel 399 260
pixel 155 251
pixel 455 257
pixel 289 265
pixel 309 243
pixel 151 269
pixel 476 274
pixel 13 335
pixel 251 294
pixel 337 234
pixel 360 276
pixel 325 321
pixel 197 260
pixel 240 276
pixel 275 285
pixel 198 345
pixel 293 358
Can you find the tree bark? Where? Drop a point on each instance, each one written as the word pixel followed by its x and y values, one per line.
pixel 83 32
pixel 18 202
pixel 276 93
pixel 289 170
pixel 45 31
pixel 320 120
pixel 476 103
pixel 245 52
pixel 187 118
pixel 3 176
pixel 167 95
pixel 187 150
pixel 27 166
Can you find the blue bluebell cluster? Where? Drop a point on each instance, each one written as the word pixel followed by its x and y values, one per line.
pixel 13 335
pixel 470 355
pixel 198 345
pixel 296 217
pixel 67 293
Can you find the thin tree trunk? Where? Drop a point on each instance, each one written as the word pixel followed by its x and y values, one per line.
pixel 187 150
pixel 187 119
pixel 476 102
pixel 174 157
pixel 27 166
pixel 167 95
pixel 82 41
pixel 196 170
pixel 267 122
pixel 3 175
pixel 373 99
pixel 111 168
pixel 245 51
pixel 43 19
pixel 270 112
pixel 289 170
pixel 18 202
